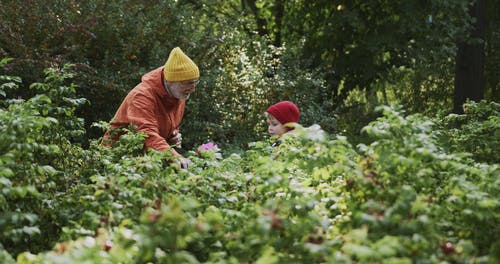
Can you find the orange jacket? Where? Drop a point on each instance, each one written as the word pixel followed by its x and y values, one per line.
pixel 152 110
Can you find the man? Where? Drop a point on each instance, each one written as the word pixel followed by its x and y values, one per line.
pixel 156 105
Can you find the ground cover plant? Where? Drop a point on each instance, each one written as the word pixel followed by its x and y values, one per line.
pixel 417 191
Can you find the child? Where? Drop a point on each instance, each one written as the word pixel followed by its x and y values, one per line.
pixel 281 118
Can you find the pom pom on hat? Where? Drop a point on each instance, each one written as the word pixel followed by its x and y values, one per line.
pixel 284 112
pixel 179 67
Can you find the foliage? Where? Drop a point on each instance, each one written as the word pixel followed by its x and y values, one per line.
pixel 251 54
pixel 419 189
pixel 404 196
pixel 477 131
pixel 246 78
pixel 492 55
pixel 447 194
pixel 358 31
pixel 5 257
pixel 112 44
pixel 35 155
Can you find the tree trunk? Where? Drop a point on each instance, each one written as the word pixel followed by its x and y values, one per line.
pixel 469 65
pixel 261 23
pixel 279 10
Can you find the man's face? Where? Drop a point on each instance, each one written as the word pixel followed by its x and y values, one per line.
pixel 182 90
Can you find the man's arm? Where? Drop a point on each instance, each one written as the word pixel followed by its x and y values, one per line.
pixel 141 114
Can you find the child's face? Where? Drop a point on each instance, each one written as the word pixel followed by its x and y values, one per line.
pixel 274 127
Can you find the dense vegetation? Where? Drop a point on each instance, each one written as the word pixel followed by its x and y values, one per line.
pixel 379 172
pixel 337 60
pixel 421 189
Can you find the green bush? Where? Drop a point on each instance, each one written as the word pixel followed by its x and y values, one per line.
pixel 404 196
pixel 37 159
pixel 476 132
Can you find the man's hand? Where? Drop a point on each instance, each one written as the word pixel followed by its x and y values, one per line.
pixel 175 139
pixel 183 162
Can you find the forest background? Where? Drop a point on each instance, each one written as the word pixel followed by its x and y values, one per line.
pixel 399 169
pixel 337 60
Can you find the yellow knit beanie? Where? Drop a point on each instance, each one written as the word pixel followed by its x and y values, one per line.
pixel 179 67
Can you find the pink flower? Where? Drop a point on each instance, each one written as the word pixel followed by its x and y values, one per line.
pixel 209 150
pixel 209 146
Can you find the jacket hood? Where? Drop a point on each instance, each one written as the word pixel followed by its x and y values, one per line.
pixel 154 79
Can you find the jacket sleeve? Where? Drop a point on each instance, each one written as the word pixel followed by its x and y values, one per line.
pixel 141 114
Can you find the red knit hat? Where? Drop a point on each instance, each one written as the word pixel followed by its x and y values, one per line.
pixel 284 112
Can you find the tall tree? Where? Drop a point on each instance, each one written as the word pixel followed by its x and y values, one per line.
pixel 355 44
pixel 492 51
pixel 469 69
